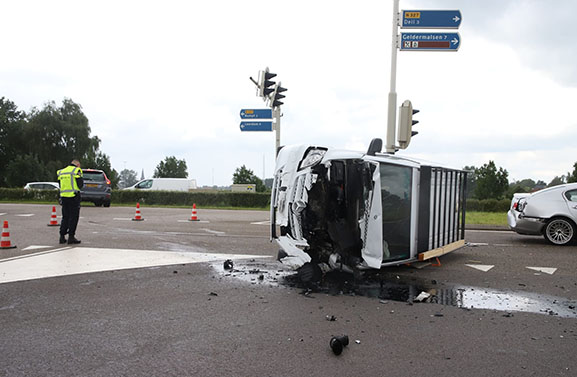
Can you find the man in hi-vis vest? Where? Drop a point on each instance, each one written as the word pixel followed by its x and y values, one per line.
pixel 70 179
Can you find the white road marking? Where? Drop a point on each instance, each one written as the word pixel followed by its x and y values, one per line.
pixel 25 214
pixel 199 221
pixel 481 267
pixel 81 260
pixel 122 219
pixel 547 270
pixel 267 222
pixel 213 231
pixel 3 213
pixel 34 247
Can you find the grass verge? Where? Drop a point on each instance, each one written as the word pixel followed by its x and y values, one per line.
pixel 486 218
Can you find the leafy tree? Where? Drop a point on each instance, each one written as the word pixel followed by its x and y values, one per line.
pixel 171 168
pixel 11 138
pixel 557 181
pixel 25 168
pixel 127 178
pixel 491 183
pixel 60 134
pixel 572 177
pixel 243 175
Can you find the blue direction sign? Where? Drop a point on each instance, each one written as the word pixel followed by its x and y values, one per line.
pixel 430 41
pixel 256 114
pixel 256 126
pixel 431 19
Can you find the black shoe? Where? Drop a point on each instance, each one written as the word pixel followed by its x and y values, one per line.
pixel 73 240
pixel 62 239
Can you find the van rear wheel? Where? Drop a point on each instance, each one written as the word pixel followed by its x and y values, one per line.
pixel 559 231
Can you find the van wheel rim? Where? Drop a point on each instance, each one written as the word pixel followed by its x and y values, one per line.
pixel 559 232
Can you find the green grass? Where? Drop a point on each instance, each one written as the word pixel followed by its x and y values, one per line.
pixel 486 218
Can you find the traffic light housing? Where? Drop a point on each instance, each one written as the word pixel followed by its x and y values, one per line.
pixel 265 85
pixel 406 124
pixel 277 96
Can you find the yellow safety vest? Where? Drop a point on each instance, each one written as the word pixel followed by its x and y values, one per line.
pixel 67 178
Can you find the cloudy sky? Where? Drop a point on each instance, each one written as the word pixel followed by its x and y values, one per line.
pixel 169 78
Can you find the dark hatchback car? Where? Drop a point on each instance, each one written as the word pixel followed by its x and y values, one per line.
pixel 96 187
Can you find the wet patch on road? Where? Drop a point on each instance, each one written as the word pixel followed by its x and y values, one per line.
pixel 386 286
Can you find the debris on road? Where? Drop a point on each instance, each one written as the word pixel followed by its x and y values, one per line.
pixel 423 296
pixel 337 343
pixel 228 265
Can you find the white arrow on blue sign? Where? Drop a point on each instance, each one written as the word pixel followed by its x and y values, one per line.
pixel 430 41
pixel 256 114
pixel 256 126
pixel 431 19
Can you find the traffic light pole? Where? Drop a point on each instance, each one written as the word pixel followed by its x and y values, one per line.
pixel 392 114
pixel 276 115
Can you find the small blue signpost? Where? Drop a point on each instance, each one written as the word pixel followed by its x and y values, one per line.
pixel 256 114
pixel 430 41
pixel 431 19
pixel 256 126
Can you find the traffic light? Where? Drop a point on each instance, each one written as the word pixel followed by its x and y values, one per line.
pixel 265 85
pixel 406 124
pixel 277 96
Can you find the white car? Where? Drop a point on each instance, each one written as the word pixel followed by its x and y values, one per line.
pixel 551 212
pixel 42 186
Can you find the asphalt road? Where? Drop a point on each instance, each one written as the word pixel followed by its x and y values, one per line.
pixel 198 320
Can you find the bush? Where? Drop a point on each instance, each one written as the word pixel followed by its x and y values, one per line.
pixel 18 194
pixel 175 198
pixel 488 205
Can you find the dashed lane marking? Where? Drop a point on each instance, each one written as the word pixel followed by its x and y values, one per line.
pixel 81 260
pixel 481 267
pixel 267 222
pixel 547 270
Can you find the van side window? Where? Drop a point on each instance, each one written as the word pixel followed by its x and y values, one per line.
pixel 145 184
pixel 571 195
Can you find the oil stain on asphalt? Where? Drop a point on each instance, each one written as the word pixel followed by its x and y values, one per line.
pixel 386 286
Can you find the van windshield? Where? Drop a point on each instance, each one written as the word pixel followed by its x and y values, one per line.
pixel 396 185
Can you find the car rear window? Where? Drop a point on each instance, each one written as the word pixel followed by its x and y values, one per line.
pixel 571 195
pixel 93 176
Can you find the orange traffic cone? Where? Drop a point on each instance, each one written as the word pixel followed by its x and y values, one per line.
pixel 193 216
pixel 53 220
pixel 137 216
pixel 5 240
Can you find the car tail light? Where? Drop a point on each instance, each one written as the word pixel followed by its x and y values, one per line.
pixel 515 205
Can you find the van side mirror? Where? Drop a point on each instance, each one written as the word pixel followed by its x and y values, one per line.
pixel 375 147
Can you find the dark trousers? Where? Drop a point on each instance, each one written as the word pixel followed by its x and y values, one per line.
pixel 70 215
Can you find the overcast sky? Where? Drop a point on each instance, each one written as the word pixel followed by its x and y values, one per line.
pixel 169 78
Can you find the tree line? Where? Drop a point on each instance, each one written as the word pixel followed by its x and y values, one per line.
pixel 35 144
pixel 488 182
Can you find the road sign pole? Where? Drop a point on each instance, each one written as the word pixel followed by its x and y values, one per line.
pixel 276 115
pixel 392 109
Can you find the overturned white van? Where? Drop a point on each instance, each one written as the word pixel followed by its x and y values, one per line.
pixel 352 210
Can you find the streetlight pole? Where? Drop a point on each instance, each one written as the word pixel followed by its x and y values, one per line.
pixel 392 108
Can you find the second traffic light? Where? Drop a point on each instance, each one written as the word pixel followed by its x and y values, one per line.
pixel 277 96
pixel 406 124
